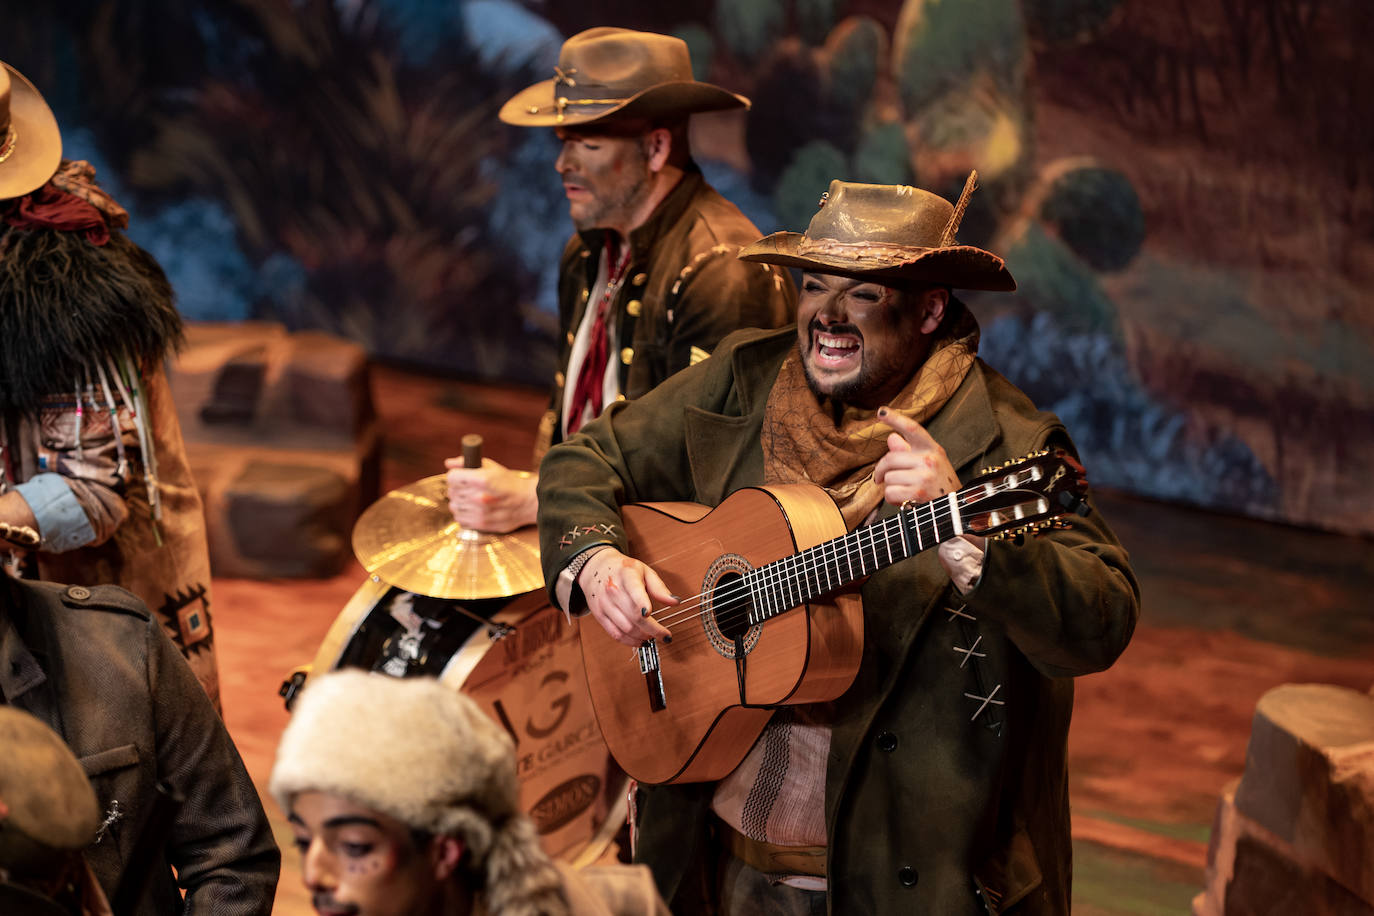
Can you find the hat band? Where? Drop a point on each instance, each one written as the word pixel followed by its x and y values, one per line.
pixel 562 102
pixel 11 141
pixel 865 251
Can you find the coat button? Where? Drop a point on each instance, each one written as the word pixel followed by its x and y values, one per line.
pixel 640 279
pixel 634 307
pixel 627 355
pixel 887 741
pixel 78 593
pixel 559 378
pixel 571 338
pixel 586 294
pixel 907 875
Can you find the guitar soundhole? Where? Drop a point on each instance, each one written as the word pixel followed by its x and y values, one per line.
pixel 728 606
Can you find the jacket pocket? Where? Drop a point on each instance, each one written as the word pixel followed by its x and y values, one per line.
pixel 102 763
pixel 1008 876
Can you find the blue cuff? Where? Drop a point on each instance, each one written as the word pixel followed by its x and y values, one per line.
pixel 62 522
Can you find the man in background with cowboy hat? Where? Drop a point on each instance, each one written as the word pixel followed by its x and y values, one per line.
pixel 936 783
pixel 95 486
pixel 649 284
pixel 402 796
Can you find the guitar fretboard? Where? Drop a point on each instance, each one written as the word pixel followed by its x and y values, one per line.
pixel 794 580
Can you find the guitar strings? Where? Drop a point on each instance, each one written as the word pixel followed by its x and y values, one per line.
pixel 937 510
pixel 743 588
pixel 931 512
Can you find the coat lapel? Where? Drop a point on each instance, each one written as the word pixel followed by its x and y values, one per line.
pixel 966 425
pixel 724 449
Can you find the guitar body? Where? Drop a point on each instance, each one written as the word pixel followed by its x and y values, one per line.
pixel 687 721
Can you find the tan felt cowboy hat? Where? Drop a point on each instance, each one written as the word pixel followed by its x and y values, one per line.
pixel 886 232
pixel 48 806
pixel 605 72
pixel 30 144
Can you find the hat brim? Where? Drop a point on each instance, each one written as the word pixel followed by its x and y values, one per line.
pixel 959 266
pixel 38 143
pixel 535 107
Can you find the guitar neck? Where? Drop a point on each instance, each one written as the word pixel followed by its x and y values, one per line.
pixel 802 577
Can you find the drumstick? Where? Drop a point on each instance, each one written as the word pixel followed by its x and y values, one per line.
pixel 472 450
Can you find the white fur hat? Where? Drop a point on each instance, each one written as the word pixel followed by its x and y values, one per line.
pixel 428 756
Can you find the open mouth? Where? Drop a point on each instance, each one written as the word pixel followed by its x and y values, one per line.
pixel 835 351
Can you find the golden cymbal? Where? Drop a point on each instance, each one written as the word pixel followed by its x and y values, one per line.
pixel 409 539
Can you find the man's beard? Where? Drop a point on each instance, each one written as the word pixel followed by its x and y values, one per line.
pixel 843 391
pixel 614 198
pixel 611 207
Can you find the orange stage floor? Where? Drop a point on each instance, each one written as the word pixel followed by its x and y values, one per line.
pixel 1232 607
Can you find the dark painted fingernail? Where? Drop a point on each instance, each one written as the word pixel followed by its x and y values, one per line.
pixel 882 411
pixel 643 612
pixel 668 638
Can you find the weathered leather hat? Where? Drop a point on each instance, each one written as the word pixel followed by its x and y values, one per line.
pixel 606 73
pixel 886 232
pixel 49 808
pixel 30 144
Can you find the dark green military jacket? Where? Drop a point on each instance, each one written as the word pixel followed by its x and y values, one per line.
pixel 95 666
pixel 936 801
pixel 685 289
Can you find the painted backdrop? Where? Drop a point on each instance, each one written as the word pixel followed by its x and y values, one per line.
pixel 1182 189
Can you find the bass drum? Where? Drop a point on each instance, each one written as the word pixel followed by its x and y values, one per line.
pixel 521 662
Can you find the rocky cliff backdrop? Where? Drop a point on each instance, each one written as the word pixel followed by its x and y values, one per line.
pixel 1182 188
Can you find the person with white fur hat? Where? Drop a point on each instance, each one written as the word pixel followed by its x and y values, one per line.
pixel 403 798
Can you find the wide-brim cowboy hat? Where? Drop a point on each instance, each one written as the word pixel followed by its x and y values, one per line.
pixel 30 143
pixel 886 233
pixel 606 73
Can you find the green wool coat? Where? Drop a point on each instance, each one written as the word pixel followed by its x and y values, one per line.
pixel 931 806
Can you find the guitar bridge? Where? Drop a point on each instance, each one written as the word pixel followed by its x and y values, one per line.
pixel 653 675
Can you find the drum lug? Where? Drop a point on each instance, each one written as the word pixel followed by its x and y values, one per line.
pixel 291 687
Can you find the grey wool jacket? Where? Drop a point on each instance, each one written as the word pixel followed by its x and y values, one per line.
pixel 94 665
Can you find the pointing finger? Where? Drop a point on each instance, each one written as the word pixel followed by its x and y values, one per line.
pixel 912 432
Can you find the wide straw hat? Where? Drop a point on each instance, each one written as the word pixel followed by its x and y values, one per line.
pixel 30 144
pixel 887 233
pixel 606 73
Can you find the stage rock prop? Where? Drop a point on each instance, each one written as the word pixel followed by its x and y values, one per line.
pixel 284 444
pixel 1296 833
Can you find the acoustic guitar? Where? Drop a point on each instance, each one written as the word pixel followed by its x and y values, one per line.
pixel 774 616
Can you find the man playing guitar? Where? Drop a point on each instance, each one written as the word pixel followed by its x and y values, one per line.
pixel 931 777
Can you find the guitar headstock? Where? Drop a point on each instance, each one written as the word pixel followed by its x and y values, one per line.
pixel 1024 496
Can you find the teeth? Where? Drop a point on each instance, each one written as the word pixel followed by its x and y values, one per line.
pixel 836 343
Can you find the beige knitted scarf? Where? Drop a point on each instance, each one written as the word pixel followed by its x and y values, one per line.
pixel 803 442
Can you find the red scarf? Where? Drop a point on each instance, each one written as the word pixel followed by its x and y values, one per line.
pixel 591 380
pixel 69 202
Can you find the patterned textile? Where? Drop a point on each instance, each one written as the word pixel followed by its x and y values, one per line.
pixel 804 443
